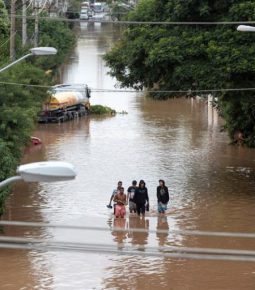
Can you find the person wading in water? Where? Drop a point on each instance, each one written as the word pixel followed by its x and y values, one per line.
pixel 121 199
pixel 130 196
pixel 141 198
pixel 114 193
pixel 162 196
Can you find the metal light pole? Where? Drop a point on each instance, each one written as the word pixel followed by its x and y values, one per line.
pixel 24 22
pixel 36 36
pixel 246 28
pixel 47 171
pixel 12 30
pixel 37 51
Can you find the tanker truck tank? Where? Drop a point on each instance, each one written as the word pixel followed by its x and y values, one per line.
pixel 65 102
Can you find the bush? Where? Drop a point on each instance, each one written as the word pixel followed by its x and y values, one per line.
pixel 101 110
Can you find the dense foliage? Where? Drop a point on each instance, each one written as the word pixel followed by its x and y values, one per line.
pixel 73 10
pixel 101 110
pixel 4 24
pixel 192 57
pixel 4 29
pixel 59 35
pixel 19 104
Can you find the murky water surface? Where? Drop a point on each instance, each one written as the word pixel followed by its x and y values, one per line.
pixel 211 186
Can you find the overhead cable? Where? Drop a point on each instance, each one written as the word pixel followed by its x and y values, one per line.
pixel 135 230
pixel 127 22
pixel 8 39
pixel 102 90
pixel 28 5
pixel 40 9
pixel 121 249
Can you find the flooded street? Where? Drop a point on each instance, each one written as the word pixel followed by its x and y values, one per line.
pixel 211 186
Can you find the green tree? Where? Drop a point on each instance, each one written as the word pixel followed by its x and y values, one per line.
pixel 4 22
pixel 59 35
pixel 119 9
pixel 19 104
pixel 192 57
pixel 4 29
pixel 7 164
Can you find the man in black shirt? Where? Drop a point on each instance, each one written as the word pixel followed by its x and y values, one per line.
pixel 130 196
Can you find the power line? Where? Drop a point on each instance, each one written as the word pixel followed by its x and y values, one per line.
pixel 26 85
pixel 103 250
pixel 8 39
pixel 121 249
pixel 135 230
pixel 140 22
pixel 173 91
pixel 29 4
pixel 102 90
pixel 105 13
pixel 42 6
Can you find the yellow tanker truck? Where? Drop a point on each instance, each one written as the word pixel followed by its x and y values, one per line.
pixel 66 102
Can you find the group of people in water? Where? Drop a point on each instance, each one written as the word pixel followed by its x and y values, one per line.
pixel 137 198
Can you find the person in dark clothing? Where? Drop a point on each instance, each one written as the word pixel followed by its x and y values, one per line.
pixel 141 198
pixel 162 196
pixel 130 196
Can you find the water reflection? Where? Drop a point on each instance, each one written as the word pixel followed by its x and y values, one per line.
pixel 140 239
pixel 128 235
pixel 126 272
pixel 162 225
pixel 119 236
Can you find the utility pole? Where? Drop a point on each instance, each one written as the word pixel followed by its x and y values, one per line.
pixel 36 23
pixel 57 7
pixel 24 23
pixel 12 30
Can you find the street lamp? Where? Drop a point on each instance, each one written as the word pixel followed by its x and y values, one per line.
pixel 245 28
pixel 47 171
pixel 37 51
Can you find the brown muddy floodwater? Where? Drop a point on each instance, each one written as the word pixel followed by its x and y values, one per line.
pixel 211 186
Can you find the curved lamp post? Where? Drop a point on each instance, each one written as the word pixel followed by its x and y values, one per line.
pixel 48 171
pixel 245 28
pixel 37 51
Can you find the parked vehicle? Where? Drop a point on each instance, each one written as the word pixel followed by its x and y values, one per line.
pixel 99 17
pixel 98 7
pixel 84 14
pixel 90 13
pixel 85 4
pixel 66 102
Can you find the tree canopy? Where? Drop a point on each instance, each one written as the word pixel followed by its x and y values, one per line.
pixel 4 28
pixel 23 87
pixel 192 57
